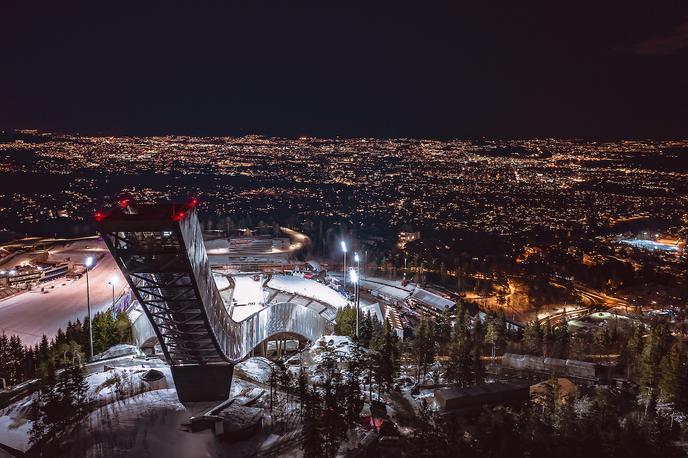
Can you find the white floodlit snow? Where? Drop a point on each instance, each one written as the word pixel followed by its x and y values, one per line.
pixel 14 432
pixel 256 368
pixel 221 281
pixel 247 290
pixel 308 288
pixel 32 314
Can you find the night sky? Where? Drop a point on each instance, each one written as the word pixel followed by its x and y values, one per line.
pixel 606 69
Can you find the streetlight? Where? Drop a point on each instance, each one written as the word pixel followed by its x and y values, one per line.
pixel 357 260
pixel 89 263
pixel 343 244
pixel 365 262
pixel 113 281
pixel 354 280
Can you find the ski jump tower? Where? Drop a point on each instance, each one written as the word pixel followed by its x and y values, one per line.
pixel 159 249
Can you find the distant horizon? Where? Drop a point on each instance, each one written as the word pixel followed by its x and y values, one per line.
pixel 305 137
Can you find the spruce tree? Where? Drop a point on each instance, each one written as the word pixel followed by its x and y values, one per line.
pixel 5 366
pixel 312 430
pixel 442 332
pixel 366 331
pixel 460 364
pixel 423 348
pixel 333 416
pixel 533 338
pixel 669 377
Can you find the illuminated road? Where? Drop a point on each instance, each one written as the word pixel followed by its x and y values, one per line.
pixel 32 314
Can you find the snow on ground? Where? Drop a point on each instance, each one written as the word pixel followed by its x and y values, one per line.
pixel 247 290
pixel 14 429
pixel 221 281
pixel 256 368
pixel 32 313
pixel 119 350
pixel 14 423
pixel 341 344
pixel 308 288
pixel 148 425
pixel 241 312
pixel 102 386
pixel 248 295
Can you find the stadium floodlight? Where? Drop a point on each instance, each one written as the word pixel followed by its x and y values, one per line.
pixel 353 273
pixel 113 281
pixel 356 258
pixel 89 261
pixel 343 244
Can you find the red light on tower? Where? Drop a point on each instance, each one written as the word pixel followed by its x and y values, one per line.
pixel 178 216
pixel 194 201
pixel 123 203
pixel 99 216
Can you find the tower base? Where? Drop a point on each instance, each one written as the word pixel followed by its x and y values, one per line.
pixel 199 383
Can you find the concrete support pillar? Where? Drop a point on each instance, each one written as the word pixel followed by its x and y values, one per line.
pixel 203 382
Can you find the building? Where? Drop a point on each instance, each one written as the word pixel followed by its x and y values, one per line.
pixel 430 302
pixel 471 400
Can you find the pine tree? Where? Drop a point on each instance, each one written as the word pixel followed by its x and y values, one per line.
pixel 5 358
pixel 652 356
pixel 345 321
pixel 563 340
pixel 366 331
pixel 533 338
pixel 477 372
pixel 669 378
pixel 502 327
pixel 312 430
pixel 16 358
pixel 122 328
pixel 442 332
pixel 423 348
pixel 548 340
pixel 334 416
pixel 633 351
pixel 492 333
pixel 377 332
pixel 385 361
pixel 61 403
pixel 459 368
pixel 354 396
pixel 302 387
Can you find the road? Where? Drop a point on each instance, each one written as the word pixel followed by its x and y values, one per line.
pixel 32 314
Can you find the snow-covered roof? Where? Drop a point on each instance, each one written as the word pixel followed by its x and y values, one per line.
pixel 308 288
pixel 433 300
pixel 315 265
pixel 374 310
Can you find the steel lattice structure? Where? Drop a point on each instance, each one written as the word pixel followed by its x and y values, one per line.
pixel 160 251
